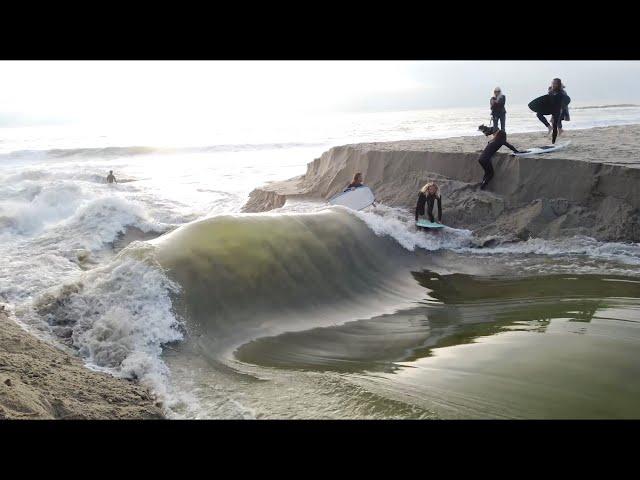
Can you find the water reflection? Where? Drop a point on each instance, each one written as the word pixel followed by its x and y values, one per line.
pixel 457 309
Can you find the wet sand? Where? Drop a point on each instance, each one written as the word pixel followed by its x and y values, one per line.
pixel 40 381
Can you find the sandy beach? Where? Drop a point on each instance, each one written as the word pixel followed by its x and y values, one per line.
pixel 572 191
pixel 39 381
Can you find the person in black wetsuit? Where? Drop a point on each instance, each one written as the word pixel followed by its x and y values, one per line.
pixel 111 177
pixel 561 102
pixel 429 195
pixel 499 139
pixel 498 111
pixel 355 183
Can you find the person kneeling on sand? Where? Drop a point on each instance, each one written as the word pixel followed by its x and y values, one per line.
pixel 429 194
pixel 499 139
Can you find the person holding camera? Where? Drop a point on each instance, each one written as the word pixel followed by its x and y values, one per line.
pixel 498 111
pixel 499 140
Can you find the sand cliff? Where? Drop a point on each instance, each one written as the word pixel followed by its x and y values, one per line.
pixel 39 381
pixel 590 188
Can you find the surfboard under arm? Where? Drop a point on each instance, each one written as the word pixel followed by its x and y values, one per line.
pixel 356 199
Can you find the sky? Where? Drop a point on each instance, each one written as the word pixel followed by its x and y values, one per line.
pixel 43 92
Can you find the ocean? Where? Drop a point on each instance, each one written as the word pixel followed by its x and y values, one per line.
pixel 305 311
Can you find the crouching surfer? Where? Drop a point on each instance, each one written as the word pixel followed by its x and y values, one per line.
pixel 429 195
pixel 499 140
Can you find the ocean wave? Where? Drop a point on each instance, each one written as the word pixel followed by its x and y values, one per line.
pixel 72 214
pixel 118 317
pixel 222 281
pixel 60 233
pixel 253 273
pixel 130 151
pixel 102 220
pixel 31 208
pixel 620 105
pixel 213 285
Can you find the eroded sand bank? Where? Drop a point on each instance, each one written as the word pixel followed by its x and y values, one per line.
pixel 590 188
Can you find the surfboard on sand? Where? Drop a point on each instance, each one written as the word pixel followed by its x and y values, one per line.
pixel 546 149
pixel 355 199
pixel 548 104
pixel 428 224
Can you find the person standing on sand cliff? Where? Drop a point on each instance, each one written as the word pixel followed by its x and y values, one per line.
pixel 561 100
pixel 498 112
pixel 499 139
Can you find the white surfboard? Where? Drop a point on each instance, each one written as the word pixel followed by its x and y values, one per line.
pixel 356 199
pixel 546 149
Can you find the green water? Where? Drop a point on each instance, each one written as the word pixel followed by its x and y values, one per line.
pixel 555 346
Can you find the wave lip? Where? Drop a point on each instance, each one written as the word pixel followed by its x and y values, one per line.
pixel 118 317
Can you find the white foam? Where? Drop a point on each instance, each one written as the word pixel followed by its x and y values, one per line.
pixel 387 221
pixel 40 205
pixel 120 316
pixel 627 253
pixel 101 220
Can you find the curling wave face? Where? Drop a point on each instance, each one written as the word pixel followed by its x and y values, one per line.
pixel 223 281
pixel 250 274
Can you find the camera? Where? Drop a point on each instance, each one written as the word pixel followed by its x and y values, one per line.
pixel 487 130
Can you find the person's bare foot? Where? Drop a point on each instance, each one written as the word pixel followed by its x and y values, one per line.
pixel 560 131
